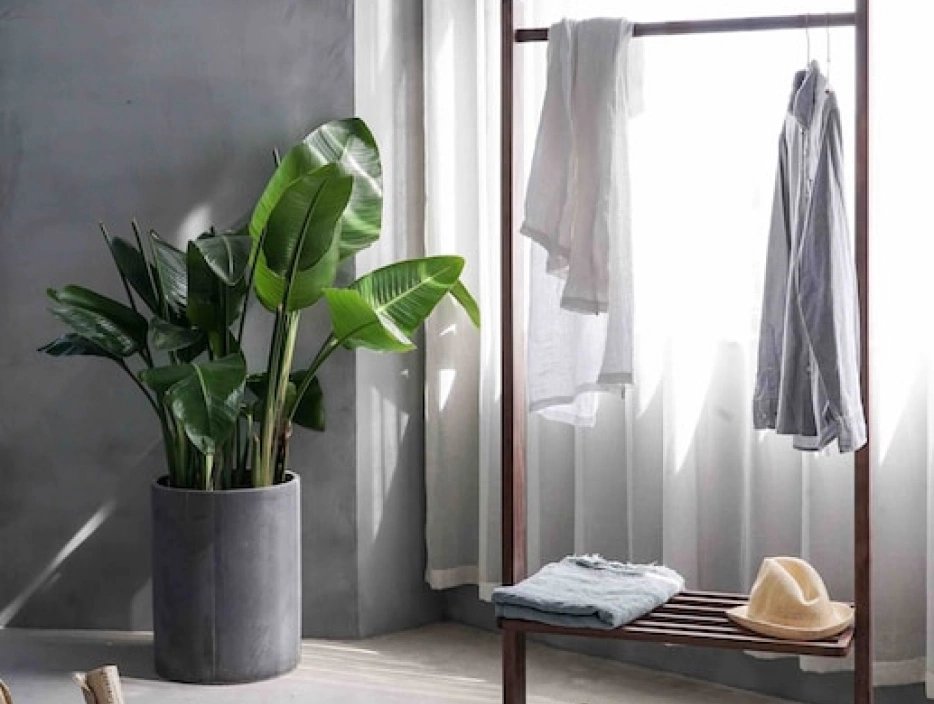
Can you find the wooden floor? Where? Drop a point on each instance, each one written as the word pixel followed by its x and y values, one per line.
pixel 696 618
pixel 439 664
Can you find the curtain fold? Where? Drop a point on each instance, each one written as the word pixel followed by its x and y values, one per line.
pixel 673 472
pixel 462 384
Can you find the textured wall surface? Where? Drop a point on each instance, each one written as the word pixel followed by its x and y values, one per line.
pixel 166 112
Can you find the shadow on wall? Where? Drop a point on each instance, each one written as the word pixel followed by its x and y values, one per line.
pixel 391 497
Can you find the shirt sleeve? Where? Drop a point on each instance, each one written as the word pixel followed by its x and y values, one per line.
pixel 771 329
pixel 825 283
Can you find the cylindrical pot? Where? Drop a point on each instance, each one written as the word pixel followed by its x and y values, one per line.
pixel 226 582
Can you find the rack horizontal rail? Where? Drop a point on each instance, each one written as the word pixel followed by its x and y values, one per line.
pixel 732 24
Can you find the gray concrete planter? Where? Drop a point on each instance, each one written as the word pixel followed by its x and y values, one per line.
pixel 226 582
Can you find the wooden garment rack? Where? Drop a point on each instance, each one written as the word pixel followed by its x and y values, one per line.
pixel 691 618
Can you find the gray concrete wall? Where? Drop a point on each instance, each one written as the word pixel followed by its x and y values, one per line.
pixel 166 112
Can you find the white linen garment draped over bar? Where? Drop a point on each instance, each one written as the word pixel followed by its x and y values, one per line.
pixel 577 208
pixel 807 383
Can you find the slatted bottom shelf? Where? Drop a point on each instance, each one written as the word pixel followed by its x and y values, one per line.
pixel 696 618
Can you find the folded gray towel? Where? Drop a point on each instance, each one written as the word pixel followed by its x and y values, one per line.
pixel 587 591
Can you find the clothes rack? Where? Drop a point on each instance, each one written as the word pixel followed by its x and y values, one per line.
pixel 691 618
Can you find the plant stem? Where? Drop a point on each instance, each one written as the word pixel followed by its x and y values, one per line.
pixel 249 285
pixel 181 455
pixel 256 461
pixel 267 425
pixel 282 452
pixel 169 449
pixel 281 418
pixel 275 417
pixel 244 453
pixel 234 453
pixel 330 344
pixel 208 468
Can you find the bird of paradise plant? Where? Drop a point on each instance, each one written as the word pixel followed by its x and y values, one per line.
pixel 223 427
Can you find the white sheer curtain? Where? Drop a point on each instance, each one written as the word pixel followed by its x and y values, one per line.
pixel 462 416
pixel 674 472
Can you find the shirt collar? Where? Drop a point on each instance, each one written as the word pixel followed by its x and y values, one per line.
pixel 807 94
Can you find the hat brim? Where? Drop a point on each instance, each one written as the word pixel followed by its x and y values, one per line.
pixel 843 617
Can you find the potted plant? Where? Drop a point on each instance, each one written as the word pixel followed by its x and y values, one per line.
pixel 226 523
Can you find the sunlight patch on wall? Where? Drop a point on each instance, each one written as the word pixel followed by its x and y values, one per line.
pixel 196 222
pixel 445 386
pixel 49 572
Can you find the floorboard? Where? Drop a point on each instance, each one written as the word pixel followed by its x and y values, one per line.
pixel 439 664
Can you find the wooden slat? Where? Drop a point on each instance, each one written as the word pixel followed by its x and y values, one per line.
pixel 681 627
pixel 695 618
pixel 744 641
pixel 668 616
pixel 689 609
pixel 710 596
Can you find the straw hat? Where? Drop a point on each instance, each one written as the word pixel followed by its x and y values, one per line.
pixel 789 601
pixel 5 696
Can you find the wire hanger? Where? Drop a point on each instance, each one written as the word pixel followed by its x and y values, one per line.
pixel 807 37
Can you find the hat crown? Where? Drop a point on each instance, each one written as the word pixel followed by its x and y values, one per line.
pixel 789 592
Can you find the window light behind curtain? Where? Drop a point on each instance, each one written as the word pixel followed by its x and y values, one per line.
pixel 675 472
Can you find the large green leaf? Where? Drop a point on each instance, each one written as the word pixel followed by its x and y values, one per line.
pixel 296 163
pixel 169 337
pixel 207 401
pixel 161 379
pixel 132 264
pixel 112 326
pixel 189 354
pixel 306 288
pixel 350 144
pixel 212 304
pixel 303 222
pixel 302 240
pixel 310 410
pixel 73 345
pixel 406 292
pixel 356 323
pixel 170 272
pixel 460 294
pixel 228 255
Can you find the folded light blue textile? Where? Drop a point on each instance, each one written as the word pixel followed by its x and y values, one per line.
pixel 587 591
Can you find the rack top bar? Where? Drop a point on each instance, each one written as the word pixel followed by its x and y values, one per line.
pixel 731 24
